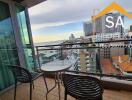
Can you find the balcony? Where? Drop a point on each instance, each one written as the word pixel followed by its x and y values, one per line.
pixel 110 61
pixel 39 92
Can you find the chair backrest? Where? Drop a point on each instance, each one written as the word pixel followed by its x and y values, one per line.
pixel 20 74
pixel 83 87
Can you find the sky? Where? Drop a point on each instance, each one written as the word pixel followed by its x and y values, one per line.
pixel 57 19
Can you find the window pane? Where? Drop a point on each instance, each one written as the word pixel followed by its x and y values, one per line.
pixel 21 17
pixel 20 10
pixel 8 51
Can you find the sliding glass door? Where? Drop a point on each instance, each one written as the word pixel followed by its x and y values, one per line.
pixel 8 49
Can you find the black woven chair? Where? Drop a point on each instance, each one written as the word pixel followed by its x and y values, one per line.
pixel 24 76
pixel 82 87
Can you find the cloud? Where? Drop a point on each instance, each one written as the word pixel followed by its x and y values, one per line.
pixel 59 12
pixel 36 27
pixel 41 25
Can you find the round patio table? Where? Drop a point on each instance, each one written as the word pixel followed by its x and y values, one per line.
pixel 57 69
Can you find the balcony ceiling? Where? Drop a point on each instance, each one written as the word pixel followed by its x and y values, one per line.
pixel 30 3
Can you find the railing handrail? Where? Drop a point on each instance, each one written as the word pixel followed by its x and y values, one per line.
pixel 68 48
pixel 103 75
pixel 85 43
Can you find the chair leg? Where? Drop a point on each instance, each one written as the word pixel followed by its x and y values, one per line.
pixel 15 90
pixel 33 85
pixel 101 98
pixel 30 90
pixel 65 95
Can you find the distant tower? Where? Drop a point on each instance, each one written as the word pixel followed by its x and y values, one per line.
pixel 130 31
pixel 130 28
pixel 72 37
pixel 95 11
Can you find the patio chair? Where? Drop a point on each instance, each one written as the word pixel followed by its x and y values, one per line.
pixel 24 76
pixel 82 87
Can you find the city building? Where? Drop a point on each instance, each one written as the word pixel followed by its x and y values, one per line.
pixel 82 61
pixel 88 28
pixel 100 25
pixel 71 37
pixel 101 22
pixel 130 31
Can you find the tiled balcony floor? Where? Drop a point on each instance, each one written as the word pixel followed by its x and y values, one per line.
pixel 39 92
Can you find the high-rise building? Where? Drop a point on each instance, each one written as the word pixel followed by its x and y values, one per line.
pixel 71 37
pixel 130 28
pixel 114 29
pixel 88 28
pixel 100 25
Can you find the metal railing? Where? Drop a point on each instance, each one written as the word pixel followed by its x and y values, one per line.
pixel 85 57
